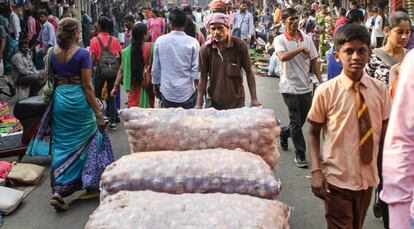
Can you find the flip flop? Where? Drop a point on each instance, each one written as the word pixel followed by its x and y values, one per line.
pixel 88 195
pixel 58 204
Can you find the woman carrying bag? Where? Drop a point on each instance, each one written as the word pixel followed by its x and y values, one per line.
pixel 75 118
pixel 135 70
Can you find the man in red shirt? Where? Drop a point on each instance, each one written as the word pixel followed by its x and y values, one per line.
pixel 341 20
pixel 105 27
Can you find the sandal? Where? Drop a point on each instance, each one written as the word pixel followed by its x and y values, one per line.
pixel 89 195
pixel 58 203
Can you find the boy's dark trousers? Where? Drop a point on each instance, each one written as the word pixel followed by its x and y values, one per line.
pixel 345 208
pixel 298 106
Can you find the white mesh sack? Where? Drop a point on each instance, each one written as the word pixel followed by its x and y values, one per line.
pixel 251 129
pixel 147 209
pixel 194 171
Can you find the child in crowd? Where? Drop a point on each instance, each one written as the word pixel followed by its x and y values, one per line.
pixel 352 110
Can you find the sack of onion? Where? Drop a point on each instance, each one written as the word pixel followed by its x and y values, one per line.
pixel 147 209
pixel 194 171
pixel 250 129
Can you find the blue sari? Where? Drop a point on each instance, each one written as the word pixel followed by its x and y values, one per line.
pixel 73 125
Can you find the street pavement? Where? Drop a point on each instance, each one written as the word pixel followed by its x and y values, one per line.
pixel 307 210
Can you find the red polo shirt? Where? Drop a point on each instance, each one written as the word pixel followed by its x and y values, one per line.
pixel 95 48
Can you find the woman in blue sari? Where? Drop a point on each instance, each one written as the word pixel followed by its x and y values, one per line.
pixel 75 113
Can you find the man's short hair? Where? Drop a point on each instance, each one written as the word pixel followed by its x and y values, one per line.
pixel 288 12
pixel 178 18
pixel 129 18
pixel 23 42
pixel 42 13
pixel 351 32
pixel 188 9
pixel 354 3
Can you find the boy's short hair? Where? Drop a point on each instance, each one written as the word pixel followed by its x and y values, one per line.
pixel 129 18
pixel 288 12
pixel 42 13
pixel 23 42
pixel 350 32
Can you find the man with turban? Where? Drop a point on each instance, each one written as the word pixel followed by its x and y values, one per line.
pixel 219 6
pixel 222 59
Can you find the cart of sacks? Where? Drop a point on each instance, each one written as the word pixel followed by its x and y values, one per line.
pixel 194 169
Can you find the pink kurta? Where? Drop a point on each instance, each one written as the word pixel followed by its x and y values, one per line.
pixel 156 27
pixel 398 161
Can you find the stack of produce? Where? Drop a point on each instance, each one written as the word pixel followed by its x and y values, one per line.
pixel 194 168
pixel 8 123
pixel 250 129
pixel 147 209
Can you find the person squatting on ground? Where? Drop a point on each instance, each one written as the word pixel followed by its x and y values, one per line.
pixel 25 70
pixel 352 111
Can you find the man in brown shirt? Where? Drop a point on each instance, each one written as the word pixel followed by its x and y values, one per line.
pixel 222 58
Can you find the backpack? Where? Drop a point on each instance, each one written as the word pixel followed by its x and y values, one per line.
pixel 108 64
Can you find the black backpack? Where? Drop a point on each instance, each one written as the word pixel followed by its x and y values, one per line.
pixel 108 64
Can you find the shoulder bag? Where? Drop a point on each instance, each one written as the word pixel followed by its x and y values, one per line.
pixel 237 31
pixel 49 75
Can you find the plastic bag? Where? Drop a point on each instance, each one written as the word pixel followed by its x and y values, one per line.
pixel 5 168
pixel 100 155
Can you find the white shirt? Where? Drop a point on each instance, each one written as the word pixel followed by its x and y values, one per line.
pixel 175 66
pixel 294 78
pixel 199 19
pixel 378 27
pixel 14 26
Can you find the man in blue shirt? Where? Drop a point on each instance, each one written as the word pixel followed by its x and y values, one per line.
pixel 243 22
pixel 175 65
pixel 47 35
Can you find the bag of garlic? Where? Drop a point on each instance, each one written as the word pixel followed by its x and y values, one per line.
pixel 251 129
pixel 147 209
pixel 195 171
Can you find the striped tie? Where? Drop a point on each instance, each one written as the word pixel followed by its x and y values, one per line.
pixel 366 141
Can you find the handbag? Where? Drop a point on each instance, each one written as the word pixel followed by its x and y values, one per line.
pixel 146 75
pixel 49 86
pixel 100 155
pixel 5 168
pixel 10 199
pixel 28 174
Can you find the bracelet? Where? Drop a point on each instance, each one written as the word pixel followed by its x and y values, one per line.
pixel 315 170
pixel 99 115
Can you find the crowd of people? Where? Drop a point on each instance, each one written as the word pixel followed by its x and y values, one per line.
pixel 197 57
